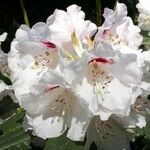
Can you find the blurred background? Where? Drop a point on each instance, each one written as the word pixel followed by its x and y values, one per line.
pixel 11 12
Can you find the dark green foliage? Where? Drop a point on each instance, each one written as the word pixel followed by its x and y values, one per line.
pixel 12 136
pixel 63 143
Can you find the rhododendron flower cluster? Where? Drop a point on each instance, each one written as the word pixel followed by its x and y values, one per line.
pixel 70 75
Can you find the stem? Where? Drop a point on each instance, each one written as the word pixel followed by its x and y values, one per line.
pixel 98 12
pixel 25 16
pixel 115 4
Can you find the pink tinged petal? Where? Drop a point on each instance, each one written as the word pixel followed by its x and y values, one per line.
pixel 121 10
pixel 113 16
pixel 108 14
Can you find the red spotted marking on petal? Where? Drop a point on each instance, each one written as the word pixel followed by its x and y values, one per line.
pixel 50 88
pixel 102 60
pixel 49 44
pixel 107 33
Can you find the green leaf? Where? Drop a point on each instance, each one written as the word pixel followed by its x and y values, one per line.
pixel 13 135
pixel 21 146
pixel 142 139
pixel 13 138
pixel 63 143
pixel 141 143
pixel 7 107
pixel 146 40
pixel 12 123
pixel 5 79
pixel 143 132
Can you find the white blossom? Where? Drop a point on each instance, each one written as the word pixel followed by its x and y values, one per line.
pixel 52 107
pixel 101 73
pixel 4 69
pixel 144 16
pixel 107 135
pixel 65 80
pixel 63 25
pixel 118 29
pixel 32 48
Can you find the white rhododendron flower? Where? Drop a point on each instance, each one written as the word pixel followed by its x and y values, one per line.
pixel 63 25
pixel 146 70
pixel 28 77
pixel 52 107
pixel 144 16
pixel 140 109
pixel 4 64
pixel 101 73
pixel 139 113
pixel 107 134
pixel 4 69
pixel 3 58
pixel 66 81
pixel 32 48
pixel 118 29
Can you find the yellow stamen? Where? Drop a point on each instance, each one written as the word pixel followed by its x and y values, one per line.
pixel 76 44
pixel 69 55
pixel 89 42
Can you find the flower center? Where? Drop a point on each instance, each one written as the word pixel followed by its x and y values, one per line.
pixel 62 102
pixel 115 40
pixel 48 58
pixel 98 76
